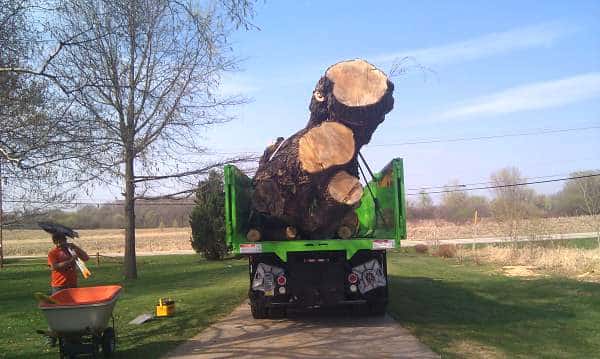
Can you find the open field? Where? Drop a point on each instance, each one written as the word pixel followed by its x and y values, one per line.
pixel 465 310
pixel 459 309
pixel 487 227
pixel 576 258
pixel 203 291
pixel 37 242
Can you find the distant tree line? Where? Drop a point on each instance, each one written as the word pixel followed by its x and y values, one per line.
pixel 508 202
pixel 576 197
pixel 149 214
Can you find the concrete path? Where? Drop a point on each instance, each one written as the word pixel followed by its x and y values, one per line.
pixel 487 240
pixel 330 335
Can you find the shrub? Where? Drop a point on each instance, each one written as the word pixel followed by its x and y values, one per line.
pixel 208 218
pixel 421 248
pixel 446 251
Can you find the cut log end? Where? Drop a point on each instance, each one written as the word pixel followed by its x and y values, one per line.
pixel 324 146
pixel 291 232
pixel 345 188
pixel 253 235
pixel 344 232
pixel 357 83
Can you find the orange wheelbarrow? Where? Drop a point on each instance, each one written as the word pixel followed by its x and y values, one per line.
pixel 79 319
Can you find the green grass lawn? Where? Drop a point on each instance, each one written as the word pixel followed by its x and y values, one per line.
pixel 469 310
pixel 459 310
pixel 203 291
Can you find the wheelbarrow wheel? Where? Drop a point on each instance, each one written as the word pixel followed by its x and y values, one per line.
pixel 109 342
pixel 62 350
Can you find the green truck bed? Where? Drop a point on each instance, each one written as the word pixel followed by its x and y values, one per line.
pixel 379 228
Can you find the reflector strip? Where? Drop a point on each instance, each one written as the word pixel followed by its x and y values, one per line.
pixel 383 244
pixel 250 248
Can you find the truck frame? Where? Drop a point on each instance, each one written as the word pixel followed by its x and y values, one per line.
pixel 319 273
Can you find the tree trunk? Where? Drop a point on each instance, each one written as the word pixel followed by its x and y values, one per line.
pixel 310 180
pixel 130 265
pixel 354 93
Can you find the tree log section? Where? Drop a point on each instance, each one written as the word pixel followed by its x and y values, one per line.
pixel 349 226
pixel 293 182
pixel 326 145
pixel 354 93
pixel 253 235
pixel 345 188
pixel 310 180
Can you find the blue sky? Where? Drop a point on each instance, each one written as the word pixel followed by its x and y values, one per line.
pixel 494 68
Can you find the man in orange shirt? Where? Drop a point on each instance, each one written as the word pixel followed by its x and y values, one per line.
pixel 62 263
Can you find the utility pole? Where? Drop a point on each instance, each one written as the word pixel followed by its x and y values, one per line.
pixel 1 217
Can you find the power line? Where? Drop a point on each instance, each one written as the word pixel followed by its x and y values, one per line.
pixel 478 183
pixel 463 139
pixel 480 138
pixel 507 185
pixel 82 203
pixel 153 203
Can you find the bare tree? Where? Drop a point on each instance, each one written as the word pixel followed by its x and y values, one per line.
pixel 589 188
pixel 513 202
pixel 41 137
pixel 145 74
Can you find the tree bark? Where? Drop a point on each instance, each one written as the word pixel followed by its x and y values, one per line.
pixel 292 181
pixel 348 226
pixel 130 265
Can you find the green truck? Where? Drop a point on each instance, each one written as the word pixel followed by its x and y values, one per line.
pixel 319 273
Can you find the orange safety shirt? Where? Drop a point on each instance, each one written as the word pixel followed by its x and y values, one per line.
pixel 63 277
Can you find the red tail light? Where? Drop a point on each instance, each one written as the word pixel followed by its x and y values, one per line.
pixel 352 278
pixel 281 280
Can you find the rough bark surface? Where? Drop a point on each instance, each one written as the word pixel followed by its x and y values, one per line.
pixel 310 180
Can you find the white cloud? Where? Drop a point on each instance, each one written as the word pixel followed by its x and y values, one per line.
pixel 540 35
pixel 237 84
pixel 534 96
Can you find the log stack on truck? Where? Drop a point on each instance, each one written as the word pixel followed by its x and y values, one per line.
pixel 313 235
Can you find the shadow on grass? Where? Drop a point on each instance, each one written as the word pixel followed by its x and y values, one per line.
pixel 511 316
pixel 429 300
pixel 202 290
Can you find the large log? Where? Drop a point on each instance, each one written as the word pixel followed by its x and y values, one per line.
pixel 354 93
pixel 326 145
pixel 310 180
pixel 295 183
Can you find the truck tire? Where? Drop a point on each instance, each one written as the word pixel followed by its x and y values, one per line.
pixel 377 308
pixel 259 311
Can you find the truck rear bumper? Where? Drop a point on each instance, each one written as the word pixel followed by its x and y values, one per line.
pixel 318 279
pixel 295 305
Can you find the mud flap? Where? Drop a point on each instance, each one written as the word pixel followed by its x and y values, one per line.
pixel 370 276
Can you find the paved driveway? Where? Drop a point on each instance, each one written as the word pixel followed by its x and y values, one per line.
pixel 303 335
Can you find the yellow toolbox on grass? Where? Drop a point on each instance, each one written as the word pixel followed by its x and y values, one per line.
pixel 165 307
